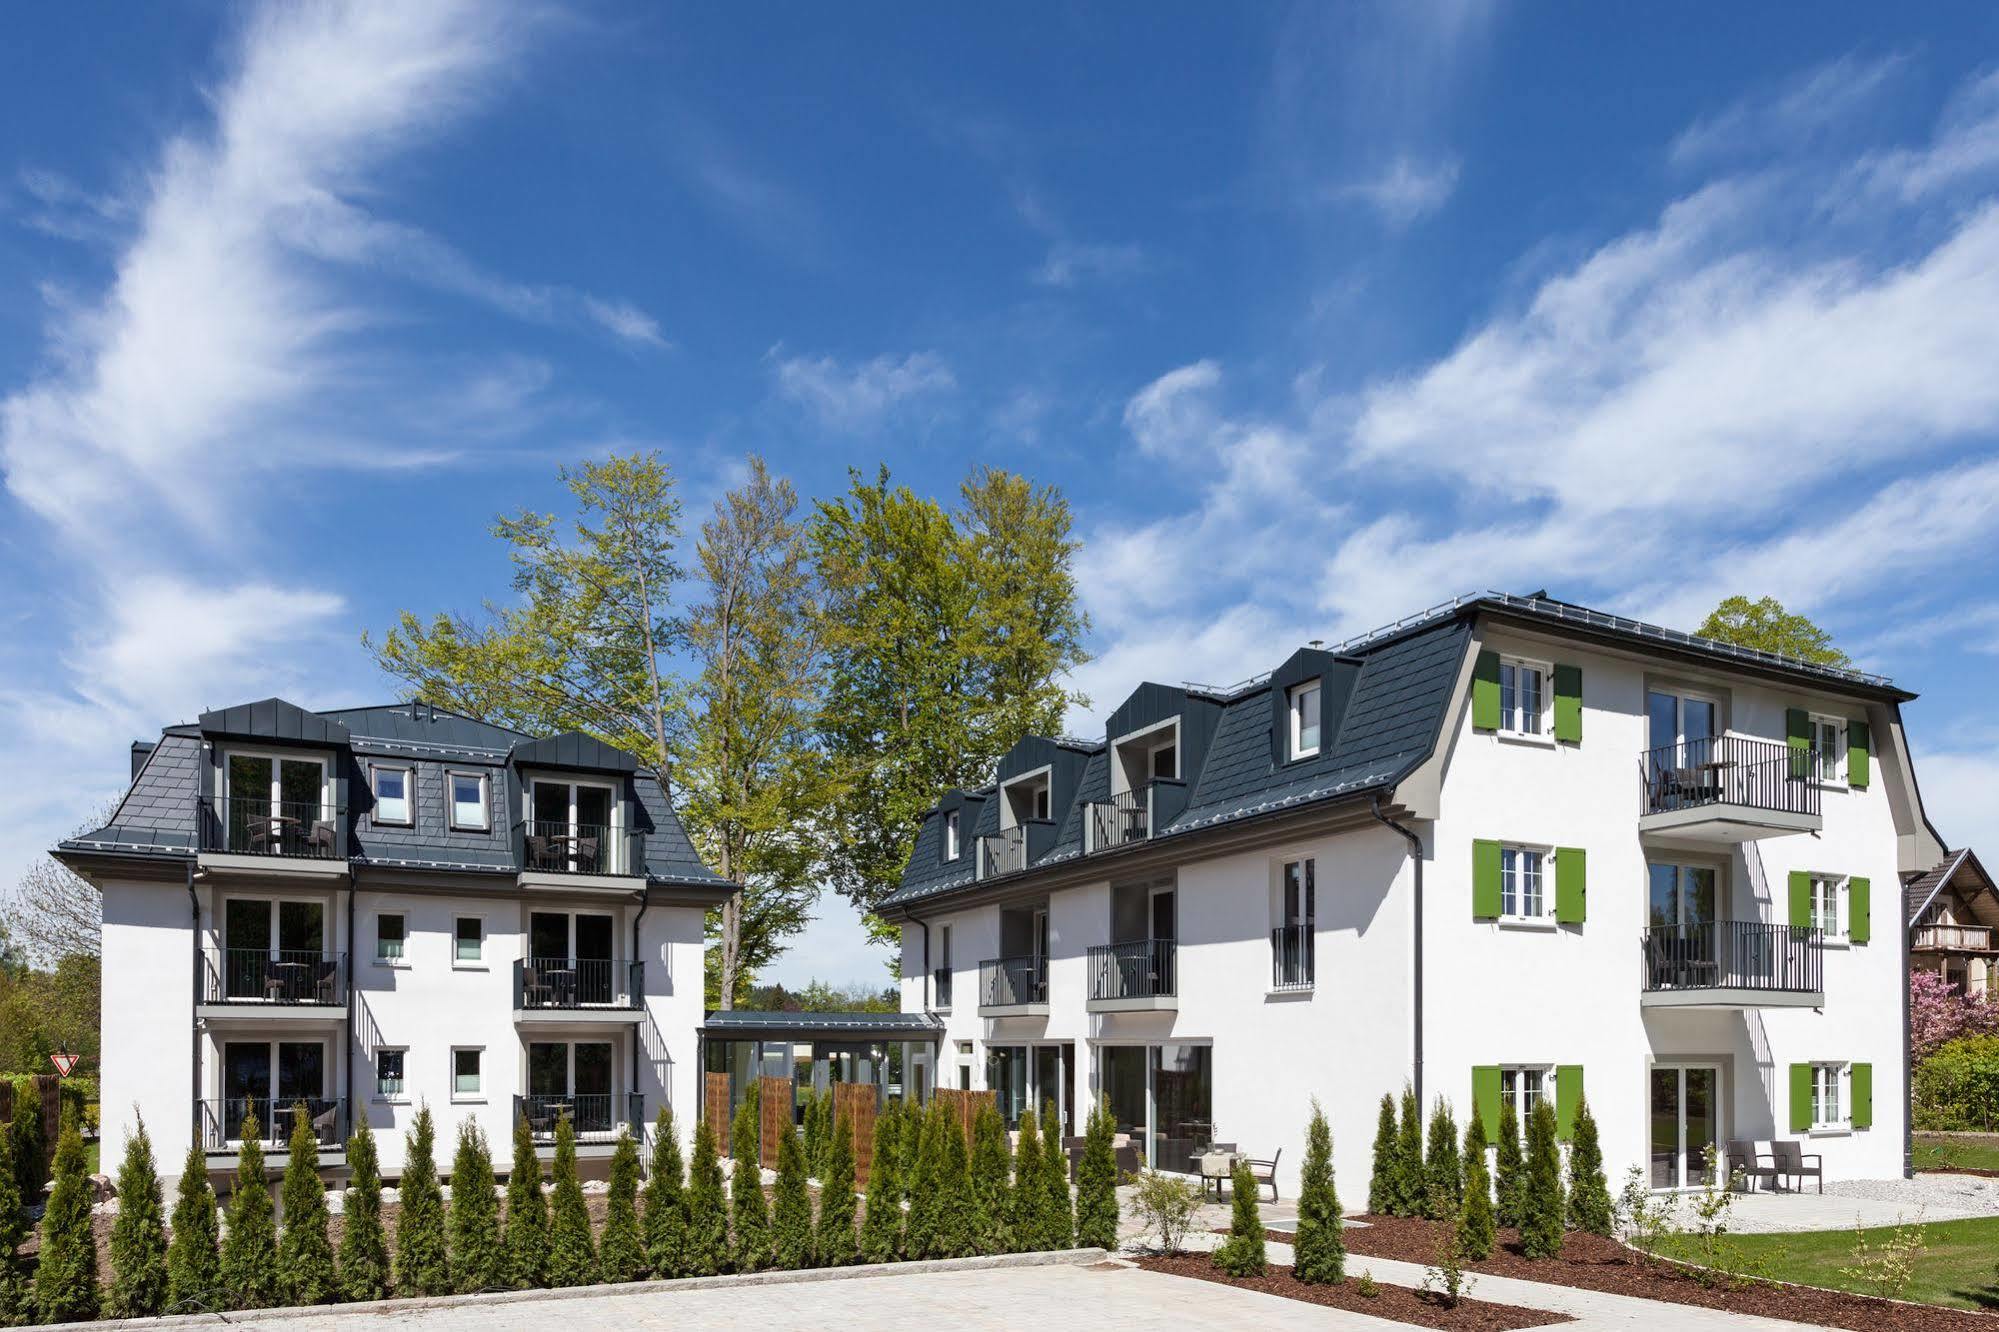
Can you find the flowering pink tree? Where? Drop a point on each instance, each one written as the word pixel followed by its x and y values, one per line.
pixel 1938 1013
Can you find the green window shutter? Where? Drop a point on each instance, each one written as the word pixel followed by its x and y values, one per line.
pixel 1859 910
pixel 1801 1098
pixel 1571 884
pixel 1801 899
pixel 1485 879
pixel 1568 1096
pixel 1569 704
pixel 1798 735
pixel 1857 768
pixel 1485 1098
pixel 1485 692
pixel 1863 1095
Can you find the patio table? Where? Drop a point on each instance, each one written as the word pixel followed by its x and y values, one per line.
pixel 1214 1168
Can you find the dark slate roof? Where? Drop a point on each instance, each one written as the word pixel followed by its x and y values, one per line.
pixel 574 750
pixel 1960 870
pixel 274 719
pixel 742 1022
pixel 394 726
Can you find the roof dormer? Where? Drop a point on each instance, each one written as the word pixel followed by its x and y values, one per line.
pixel 1308 701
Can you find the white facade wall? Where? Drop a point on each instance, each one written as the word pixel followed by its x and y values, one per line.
pixel 147 1031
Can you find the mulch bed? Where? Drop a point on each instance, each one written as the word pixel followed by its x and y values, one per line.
pixel 1397 1303
pixel 1590 1262
pixel 1958 1170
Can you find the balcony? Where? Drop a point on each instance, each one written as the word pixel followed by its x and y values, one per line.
pixel 1291 961
pixel 1122 820
pixel 301 830
pixel 1013 987
pixel 595 1118
pixel 1729 789
pixel 277 984
pixel 1132 976
pixel 1003 853
pixel 1952 939
pixel 222 1121
pixel 569 989
pixel 1732 964
pixel 554 846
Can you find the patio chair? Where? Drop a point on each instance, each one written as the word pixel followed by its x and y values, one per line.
pixel 322 1123
pixel 258 836
pixel 1743 1163
pixel 1790 1164
pixel 329 981
pixel 1265 1172
pixel 319 841
pixel 535 991
pixel 586 855
pixel 539 852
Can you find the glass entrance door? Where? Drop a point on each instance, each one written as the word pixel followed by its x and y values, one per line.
pixel 1686 1123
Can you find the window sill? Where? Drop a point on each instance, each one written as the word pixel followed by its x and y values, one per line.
pixel 1544 739
pixel 461 828
pixel 1277 994
pixel 393 963
pixel 470 966
pixel 1840 941
pixel 467 1099
pixel 398 1099
pixel 1547 924
pixel 1831 1131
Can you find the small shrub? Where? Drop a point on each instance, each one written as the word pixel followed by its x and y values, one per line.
pixel 881 1227
pixel 1887 1268
pixel 29 1147
pixel 305 1253
pixel 925 1183
pixel 1166 1204
pixel 1319 1255
pixel 954 1191
pixel 1412 1189
pixel 621 1253
pixel 1446 1276
pixel 572 1250
pixel 66 1270
pixel 1027 1199
pixel 194 1268
pixel 1096 1183
pixel 364 1245
pixel 1590 1208
pixel 526 1239
pixel 1475 1218
pixel 1384 1185
pixel 990 1186
pixel 1242 1254
pixel 1057 1228
pixel 1509 1175
pixel 1367 1288
pixel 1541 1205
pixel 665 1219
pixel 834 1240
pixel 423 1261
pixel 1443 1173
pixel 749 1210
pixel 791 1212
pixel 138 1236
pixel 250 1240
pixel 707 1250
pixel 1957 1086
pixel 1644 1218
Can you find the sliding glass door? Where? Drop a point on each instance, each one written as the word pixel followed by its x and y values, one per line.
pixel 1163 1097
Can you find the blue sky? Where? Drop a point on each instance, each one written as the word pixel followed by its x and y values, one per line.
pixel 1318 314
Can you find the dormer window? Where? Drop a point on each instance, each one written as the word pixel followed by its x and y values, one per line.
pixel 951 847
pixel 392 795
pixel 1304 713
pixel 1166 762
pixel 1026 798
pixel 468 802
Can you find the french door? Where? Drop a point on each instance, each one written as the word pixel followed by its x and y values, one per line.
pixel 265 1079
pixel 574 828
pixel 573 1078
pixel 572 952
pixel 272 950
pixel 272 803
pixel 1686 1123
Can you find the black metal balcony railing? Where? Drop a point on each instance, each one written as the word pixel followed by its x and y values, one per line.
pixel 1729 770
pixel 1291 957
pixel 577 983
pixel 1004 853
pixel 260 826
pixel 1006 982
pixel 940 987
pixel 558 847
pixel 223 1121
pixel 1733 955
pixel 1141 969
pixel 593 1117
pixel 274 976
pixel 1123 819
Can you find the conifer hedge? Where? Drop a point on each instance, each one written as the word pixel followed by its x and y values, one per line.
pixel 250 1240
pixel 305 1253
pixel 138 1236
pixel 364 1245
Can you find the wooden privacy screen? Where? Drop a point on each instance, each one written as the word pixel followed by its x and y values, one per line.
pixel 775 1112
pixel 715 1108
pixel 965 1105
pixel 854 1105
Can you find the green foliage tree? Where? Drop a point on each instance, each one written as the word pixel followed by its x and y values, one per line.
pixel 572 1249
pixel 1765 625
pixel 665 1218
pixel 1243 1254
pixel 423 1261
pixel 138 1236
pixel 1412 1180
pixel 707 1250
pixel 925 1186
pixel 990 1185
pixel 834 1242
pixel 1384 1184
pixel 1096 1182
pixel 30 1148
pixel 1443 1177
pixel 748 1208
pixel 526 1238
pixel 66 1269
pixel 1590 1208
pixel 791 1210
pixel 621 1254
pixel 17 1296
pixel 1475 1219
pixel 194 1269
pixel 478 1246
pixel 250 1240
pixel 364 1244
pixel 1319 1254
pixel 1027 1200
pixel 947 638
pixel 1509 1168
pixel 306 1273
pixel 1541 1204
pixel 881 1226
pixel 1058 1208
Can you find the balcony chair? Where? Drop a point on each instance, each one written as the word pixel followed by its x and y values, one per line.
pixel 536 992
pixel 322 1123
pixel 258 837
pixel 586 855
pixel 1745 1164
pixel 1790 1161
pixel 319 841
pixel 1265 1173
pixel 539 849
pixel 329 981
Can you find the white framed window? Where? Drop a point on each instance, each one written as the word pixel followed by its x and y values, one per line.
pixel 466 792
pixel 391 935
pixel 389 1073
pixel 951 847
pixel 466 1082
pixel 1828 906
pixel 1831 1105
pixel 1292 943
pixel 1523 884
pixel 1524 1086
pixel 1524 698
pixel 468 941
pixel 1303 707
pixel 1828 735
pixel 394 801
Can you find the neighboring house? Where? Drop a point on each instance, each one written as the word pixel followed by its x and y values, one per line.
pixel 1506 849
pixel 1953 921
pixel 372 909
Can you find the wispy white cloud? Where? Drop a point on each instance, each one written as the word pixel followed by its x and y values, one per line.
pixel 853 397
pixel 1406 191
pixel 1798 114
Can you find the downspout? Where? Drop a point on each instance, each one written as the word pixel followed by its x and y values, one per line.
pixel 638 928
pixel 1416 968
pixel 194 1031
pixel 348 980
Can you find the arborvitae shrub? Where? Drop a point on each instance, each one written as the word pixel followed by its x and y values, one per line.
pixel 1058 1209
pixel 29 1146
pixel 1443 1176
pixel 748 1209
pixel 66 1271
pixel 818 1132
pixel 1384 1187
pixel 194 1270
pixel 881 1226
pixel 1027 1200
pixel 250 1240
pixel 526 1240
pixel 954 1212
pixel 572 1250
pixel 1413 1184
pixel 791 1211
pixel 925 1185
pixel 138 1236
pixel 478 1248
pixel 621 1253
pixel 1242 1254
pixel 364 1245
pixel 423 1263
pixel 1509 1168
pixel 991 1167
pixel 305 1253
pixel 834 1241
pixel 1541 1205
pixel 17 1297
pixel 1319 1254
pixel 664 1228
pixel 1096 1182
pixel 1475 1218
pixel 1590 1208
pixel 707 1246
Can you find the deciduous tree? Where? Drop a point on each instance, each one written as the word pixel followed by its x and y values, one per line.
pixel 1764 624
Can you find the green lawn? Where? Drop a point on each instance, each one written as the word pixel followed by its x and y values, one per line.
pixel 90 1155
pixel 1957 1269
pixel 1935 1151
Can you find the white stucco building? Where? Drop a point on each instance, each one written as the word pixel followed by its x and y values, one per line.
pixel 1508 848
pixel 367 910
